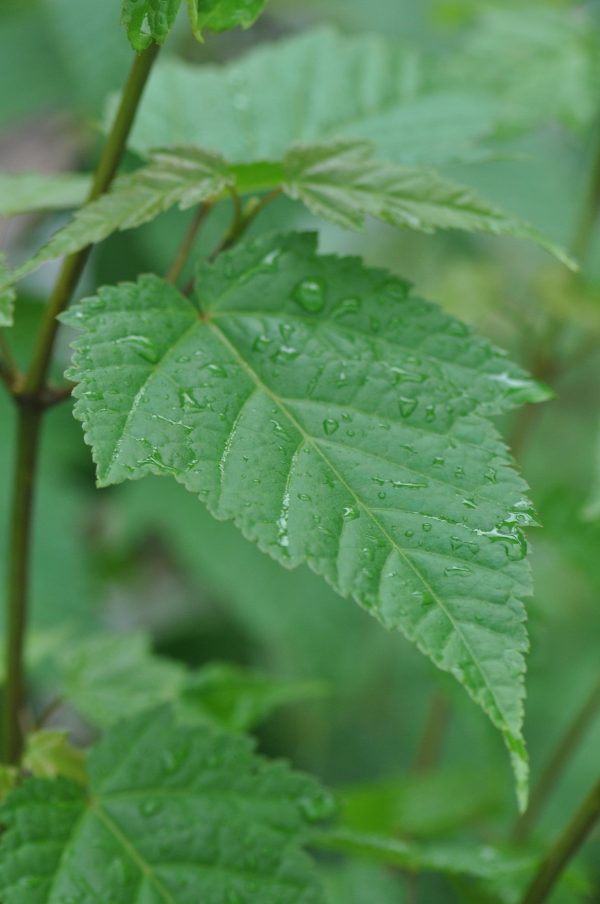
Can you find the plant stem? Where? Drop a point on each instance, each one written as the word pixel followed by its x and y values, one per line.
pixel 242 220
pixel 31 403
pixel 556 765
pixel 565 847
pixel 29 418
pixel 589 214
pixel 434 732
pixel 9 371
pixel 73 265
pixel 187 244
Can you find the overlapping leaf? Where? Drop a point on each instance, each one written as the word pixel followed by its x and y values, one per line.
pixel 27 192
pixel 308 88
pixel 338 420
pixel 183 176
pixel 171 814
pixel 342 182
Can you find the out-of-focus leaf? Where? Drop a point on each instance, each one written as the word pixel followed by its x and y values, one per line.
pixel 7 295
pixel 237 699
pixel 308 88
pixel 357 881
pixel 421 805
pixel 482 862
pixel 110 677
pixel 173 813
pixel 9 776
pixel 541 64
pixel 27 192
pixel 49 754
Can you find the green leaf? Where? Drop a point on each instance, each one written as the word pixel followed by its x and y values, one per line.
pixel 308 88
pixel 340 421
pixel 239 700
pixel 49 754
pixel 110 677
pixel 27 192
pixel 540 64
pixel 9 776
pixel 342 182
pixel 148 21
pixel 482 862
pixel 182 176
pixel 173 813
pixel 221 15
pixel 7 294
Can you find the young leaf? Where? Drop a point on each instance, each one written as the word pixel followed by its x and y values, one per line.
pixel 172 813
pixel 308 88
pixel 342 182
pixel 148 21
pixel 27 192
pixel 221 15
pixel 7 294
pixel 110 677
pixel 182 176
pixel 338 420
pixel 49 754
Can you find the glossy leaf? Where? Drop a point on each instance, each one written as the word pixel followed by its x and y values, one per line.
pixel 172 813
pixel 338 420
pixel 221 15
pixel 148 21
pixel 29 192
pixel 308 88
pixel 342 182
pixel 182 176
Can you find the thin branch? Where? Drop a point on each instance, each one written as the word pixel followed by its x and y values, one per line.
pixel 557 763
pixel 30 400
pixel 434 733
pixel 565 848
pixel 73 265
pixel 242 220
pixel 9 369
pixel 187 244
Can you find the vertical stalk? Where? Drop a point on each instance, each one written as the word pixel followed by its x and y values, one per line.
pixel 31 405
pixel 565 847
pixel 28 428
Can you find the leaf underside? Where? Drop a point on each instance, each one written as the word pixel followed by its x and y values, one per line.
pixel 27 192
pixel 338 420
pixel 173 814
pixel 327 85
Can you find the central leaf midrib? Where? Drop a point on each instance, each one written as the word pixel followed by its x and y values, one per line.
pixel 313 443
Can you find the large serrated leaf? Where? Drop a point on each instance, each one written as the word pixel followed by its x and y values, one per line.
pixel 172 814
pixel 148 21
pixel 309 88
pixel 337 420
pixel 342 182
pixel 27 192
pixel 180 176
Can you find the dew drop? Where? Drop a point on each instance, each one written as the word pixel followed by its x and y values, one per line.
pixel 345 307
pixel 407 406
pixel 457 570
pixel 310 295
pixel 330 425
pixel 350 513
pixel 143 346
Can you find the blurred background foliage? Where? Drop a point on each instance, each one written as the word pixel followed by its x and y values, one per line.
pixel 407 751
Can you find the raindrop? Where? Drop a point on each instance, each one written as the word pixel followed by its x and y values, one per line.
pixel 350 513
pixel 143 346
pixel 457 570
pixel 330 425
pixel 346 306
pixel 407 406
pixel 310 295
pixel 426 527
pixel 318 806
